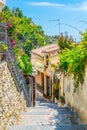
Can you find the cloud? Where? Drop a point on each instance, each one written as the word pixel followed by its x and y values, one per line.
pixel 83 6
pixel 45 4
pixel 76 7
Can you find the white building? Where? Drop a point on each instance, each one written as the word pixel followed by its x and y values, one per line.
pixel 2 4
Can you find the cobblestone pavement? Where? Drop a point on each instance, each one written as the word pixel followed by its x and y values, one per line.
pixel 47 116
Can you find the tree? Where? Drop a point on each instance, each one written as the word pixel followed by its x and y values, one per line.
pixel 73 61
pixel 65 41
pixel 6 9
pixel 24 64
pixel 17 12
pixel 23 35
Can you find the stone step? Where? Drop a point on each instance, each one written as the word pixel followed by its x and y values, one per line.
pixel 31 128
pixel 37 110
pixel 38 107
pixel 72 127
pixel 63 108
pixel 66 112
pixel 36 113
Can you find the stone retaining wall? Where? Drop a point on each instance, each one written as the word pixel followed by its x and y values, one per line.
pixel 77 100
pixel 11 102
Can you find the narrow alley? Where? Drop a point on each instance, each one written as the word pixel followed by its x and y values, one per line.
pixel 48 116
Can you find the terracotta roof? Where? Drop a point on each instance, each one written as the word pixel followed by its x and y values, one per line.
pixel 48 49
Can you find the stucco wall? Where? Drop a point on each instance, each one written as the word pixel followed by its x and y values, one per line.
pixel 11 103
pixel 39 62
pixel 77 100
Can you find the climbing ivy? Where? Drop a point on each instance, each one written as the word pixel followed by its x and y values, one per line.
pixel 74 61
pixel 65 41
pixel 24 64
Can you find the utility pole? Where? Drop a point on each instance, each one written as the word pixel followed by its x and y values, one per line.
pixel 58 20
pixel 59 23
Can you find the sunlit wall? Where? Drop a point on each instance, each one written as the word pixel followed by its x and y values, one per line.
pixel 2 4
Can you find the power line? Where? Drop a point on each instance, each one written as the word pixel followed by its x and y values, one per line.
pixel 58 20
pixel 71 26
pixel 83 21
pixel 59 23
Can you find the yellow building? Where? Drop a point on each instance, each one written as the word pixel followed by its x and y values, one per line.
pixel 43 60
pixel 2 4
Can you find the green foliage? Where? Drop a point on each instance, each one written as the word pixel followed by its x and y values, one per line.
pixel 51 39
pixel 62 98
pixel 3 47
pixel 74 61
pixel 56 89
pixel 17 12
pixel 24 64
pixel 56 86
pixel 21 28
pixel 65 41
pixel 23 34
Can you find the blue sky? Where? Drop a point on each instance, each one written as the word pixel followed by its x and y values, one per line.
pixel 71 12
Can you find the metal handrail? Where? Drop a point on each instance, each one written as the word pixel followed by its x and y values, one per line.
pixel 3 25
pixel 17 76
pixel 15 72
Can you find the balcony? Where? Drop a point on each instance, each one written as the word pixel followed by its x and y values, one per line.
pixel 2 4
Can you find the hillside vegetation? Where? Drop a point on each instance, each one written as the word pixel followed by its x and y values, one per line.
pixel 24 35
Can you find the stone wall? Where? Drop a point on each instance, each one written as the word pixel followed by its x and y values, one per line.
pixel 77 100
pixel 11 103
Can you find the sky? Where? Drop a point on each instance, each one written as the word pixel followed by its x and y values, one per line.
pixel 55 16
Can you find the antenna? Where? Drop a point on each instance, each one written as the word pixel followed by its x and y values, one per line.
pixel 58 20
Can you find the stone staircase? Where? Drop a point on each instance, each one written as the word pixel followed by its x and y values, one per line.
pixel 36 118
pixel 47 116
pixel 43 118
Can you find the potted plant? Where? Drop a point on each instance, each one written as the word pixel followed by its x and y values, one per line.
pixel 62 99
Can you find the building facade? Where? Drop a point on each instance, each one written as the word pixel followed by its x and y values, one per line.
pixel 2 4
pixel 43 60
